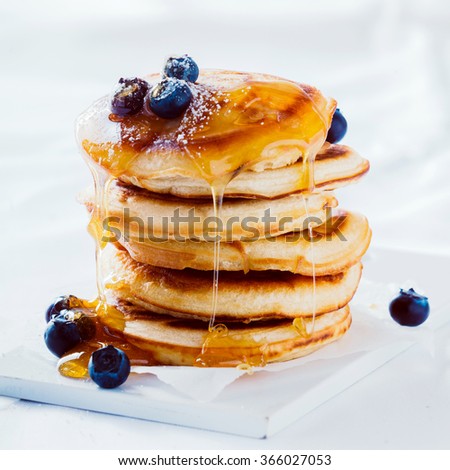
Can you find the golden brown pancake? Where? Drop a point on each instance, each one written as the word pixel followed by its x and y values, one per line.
pixel 289 213
pixel 242 297
pixel 236 121
pixel 335 166
pixel 173 341
pixel 337 245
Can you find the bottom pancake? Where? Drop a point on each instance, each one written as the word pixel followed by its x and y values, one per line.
pixel 173 341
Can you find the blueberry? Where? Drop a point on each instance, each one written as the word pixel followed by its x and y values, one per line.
pixel 84 322
pixel 61 335
pixel 128 98
pixel 182 67
pixel 170 98
pixel 63 302
pixel 109 367
pixel 409 308
pixel 338 127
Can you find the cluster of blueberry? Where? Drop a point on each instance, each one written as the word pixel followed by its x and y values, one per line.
pixel 68 325
pixel 167 99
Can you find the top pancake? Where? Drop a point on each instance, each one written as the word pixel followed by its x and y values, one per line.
pixel 236 121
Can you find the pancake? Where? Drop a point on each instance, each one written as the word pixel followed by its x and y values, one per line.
pixel 338 244
pixel 178 342
pixel 335 166
pixel 242 297
pixel 156 214
pixel 235 121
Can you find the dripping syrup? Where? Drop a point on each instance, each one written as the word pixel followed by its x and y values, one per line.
pixel 217 193
pixel 308 165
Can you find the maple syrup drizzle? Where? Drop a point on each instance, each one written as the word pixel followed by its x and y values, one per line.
pixel 215 332
pixel 224 347
pixel 313 263
pixel 257 115
pixel 102 181
pixel 308 171
pixel 217 193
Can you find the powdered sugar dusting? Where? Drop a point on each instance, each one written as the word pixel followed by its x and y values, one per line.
pixel 206 102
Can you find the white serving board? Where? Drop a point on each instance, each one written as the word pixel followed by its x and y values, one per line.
pixel 255 405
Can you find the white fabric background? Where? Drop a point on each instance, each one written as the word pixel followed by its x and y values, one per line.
pixel 386 62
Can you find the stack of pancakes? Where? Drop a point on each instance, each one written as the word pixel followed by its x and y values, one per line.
pixel 284 283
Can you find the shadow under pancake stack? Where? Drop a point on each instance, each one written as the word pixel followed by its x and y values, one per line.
pixel 219 240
